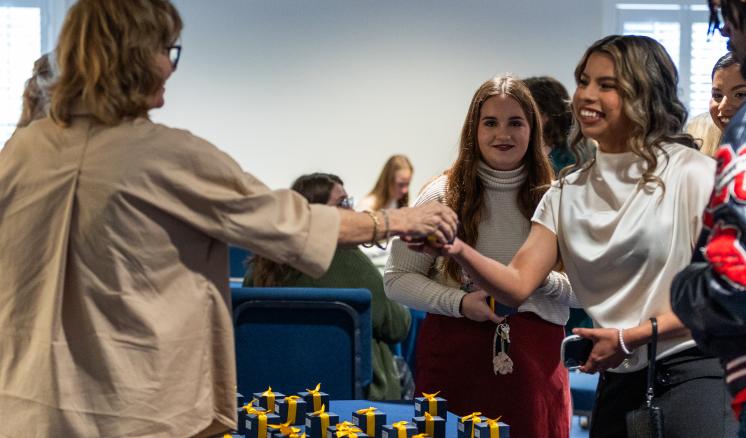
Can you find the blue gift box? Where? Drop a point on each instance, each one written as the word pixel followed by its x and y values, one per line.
pixel 267 399
pixel 345 429
pixel 317 423
pixel 400 429
pixel 467 423
pixel 291 409
pixel 370 420
pixel 315 398
pixel 254 425
pixel 492 429
pixel 435 406
pixel 432 426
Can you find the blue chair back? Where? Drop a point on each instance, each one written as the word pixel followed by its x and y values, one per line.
pixel 293 338
pixel 237 261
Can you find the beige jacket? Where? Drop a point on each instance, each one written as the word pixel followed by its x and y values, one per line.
pixel 115 313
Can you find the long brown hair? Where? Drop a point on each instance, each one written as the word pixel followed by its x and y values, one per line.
pixel 647 82
pixel 316 188
pixel 106 58
pixel 36 92
pixel 465 191
pixel 382 190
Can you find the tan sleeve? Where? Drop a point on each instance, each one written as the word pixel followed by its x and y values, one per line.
pixel 207 189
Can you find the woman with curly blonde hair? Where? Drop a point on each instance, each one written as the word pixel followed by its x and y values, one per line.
pixel 494 186
pixel 623 224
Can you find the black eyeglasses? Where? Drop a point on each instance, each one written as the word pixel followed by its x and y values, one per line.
pixel 174 53
pixel 348 202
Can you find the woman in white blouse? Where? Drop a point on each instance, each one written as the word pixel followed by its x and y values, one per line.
pixel 623 225
pixel 494 186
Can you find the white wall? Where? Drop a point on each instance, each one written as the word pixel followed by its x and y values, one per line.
pixel 294 86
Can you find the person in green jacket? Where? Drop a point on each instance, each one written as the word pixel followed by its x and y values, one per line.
pixel 350 268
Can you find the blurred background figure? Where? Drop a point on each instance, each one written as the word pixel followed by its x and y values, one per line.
pixel 556 118
pixel 350 268
pixel 391 191
pixel 36 93
pixel 728 94
pixel 392 187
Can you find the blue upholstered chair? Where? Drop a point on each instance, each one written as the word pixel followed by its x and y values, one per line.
pixel 237 261
pixel 293 338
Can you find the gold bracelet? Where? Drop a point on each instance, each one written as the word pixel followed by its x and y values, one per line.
pixel 387 232
pixel 375 229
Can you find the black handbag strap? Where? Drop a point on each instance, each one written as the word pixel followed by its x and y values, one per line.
pixel 651 362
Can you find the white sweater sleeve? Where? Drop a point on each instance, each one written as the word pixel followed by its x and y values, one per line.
pixel 406 281
pixel 406 277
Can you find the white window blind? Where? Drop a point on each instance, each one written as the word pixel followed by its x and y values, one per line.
pixel 20 46
pixel 704 54
pixel 682 29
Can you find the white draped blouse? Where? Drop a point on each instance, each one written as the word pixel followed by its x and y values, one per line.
pixel 622 242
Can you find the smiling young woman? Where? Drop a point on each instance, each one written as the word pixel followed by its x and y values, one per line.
pixel 623 225
pixel 494 185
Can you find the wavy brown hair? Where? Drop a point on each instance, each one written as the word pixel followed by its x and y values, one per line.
pixel 647 82
pixel 382 190
pixel 106 58
pixel 465 191
pixel 316 188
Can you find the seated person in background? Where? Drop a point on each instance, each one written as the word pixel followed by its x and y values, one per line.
pixel 391 191
pixel 728 94
pixel 349 269
pixel 36 93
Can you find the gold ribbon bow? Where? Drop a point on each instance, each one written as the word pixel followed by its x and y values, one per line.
pixel 432 404
pixel 270 398
pixel 347 429
pixel 420 435
pixel 429 425
pixel 324 419
pixel 261 415
pixel 316 397
pixel 370 420
pixel 286 429
pixel 475 417
pixel 492 303
pixel 494 427
pixel 292 402
pixel 401 429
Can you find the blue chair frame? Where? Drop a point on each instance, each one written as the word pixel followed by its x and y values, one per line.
pixel 293 338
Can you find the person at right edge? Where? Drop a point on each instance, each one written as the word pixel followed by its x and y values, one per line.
pixel 709 295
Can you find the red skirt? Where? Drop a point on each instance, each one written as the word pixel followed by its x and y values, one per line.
pixel 454 356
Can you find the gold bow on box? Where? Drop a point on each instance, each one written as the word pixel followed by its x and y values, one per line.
pixel 475 417
pixel 324 418
pixel 370 420
pixel 494 426
pixel 316 394
pixel 261 415
pixel 401 429
pixel 288 430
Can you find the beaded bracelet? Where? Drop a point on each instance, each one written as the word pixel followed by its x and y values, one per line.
pixel 625 350
pixel 375 230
